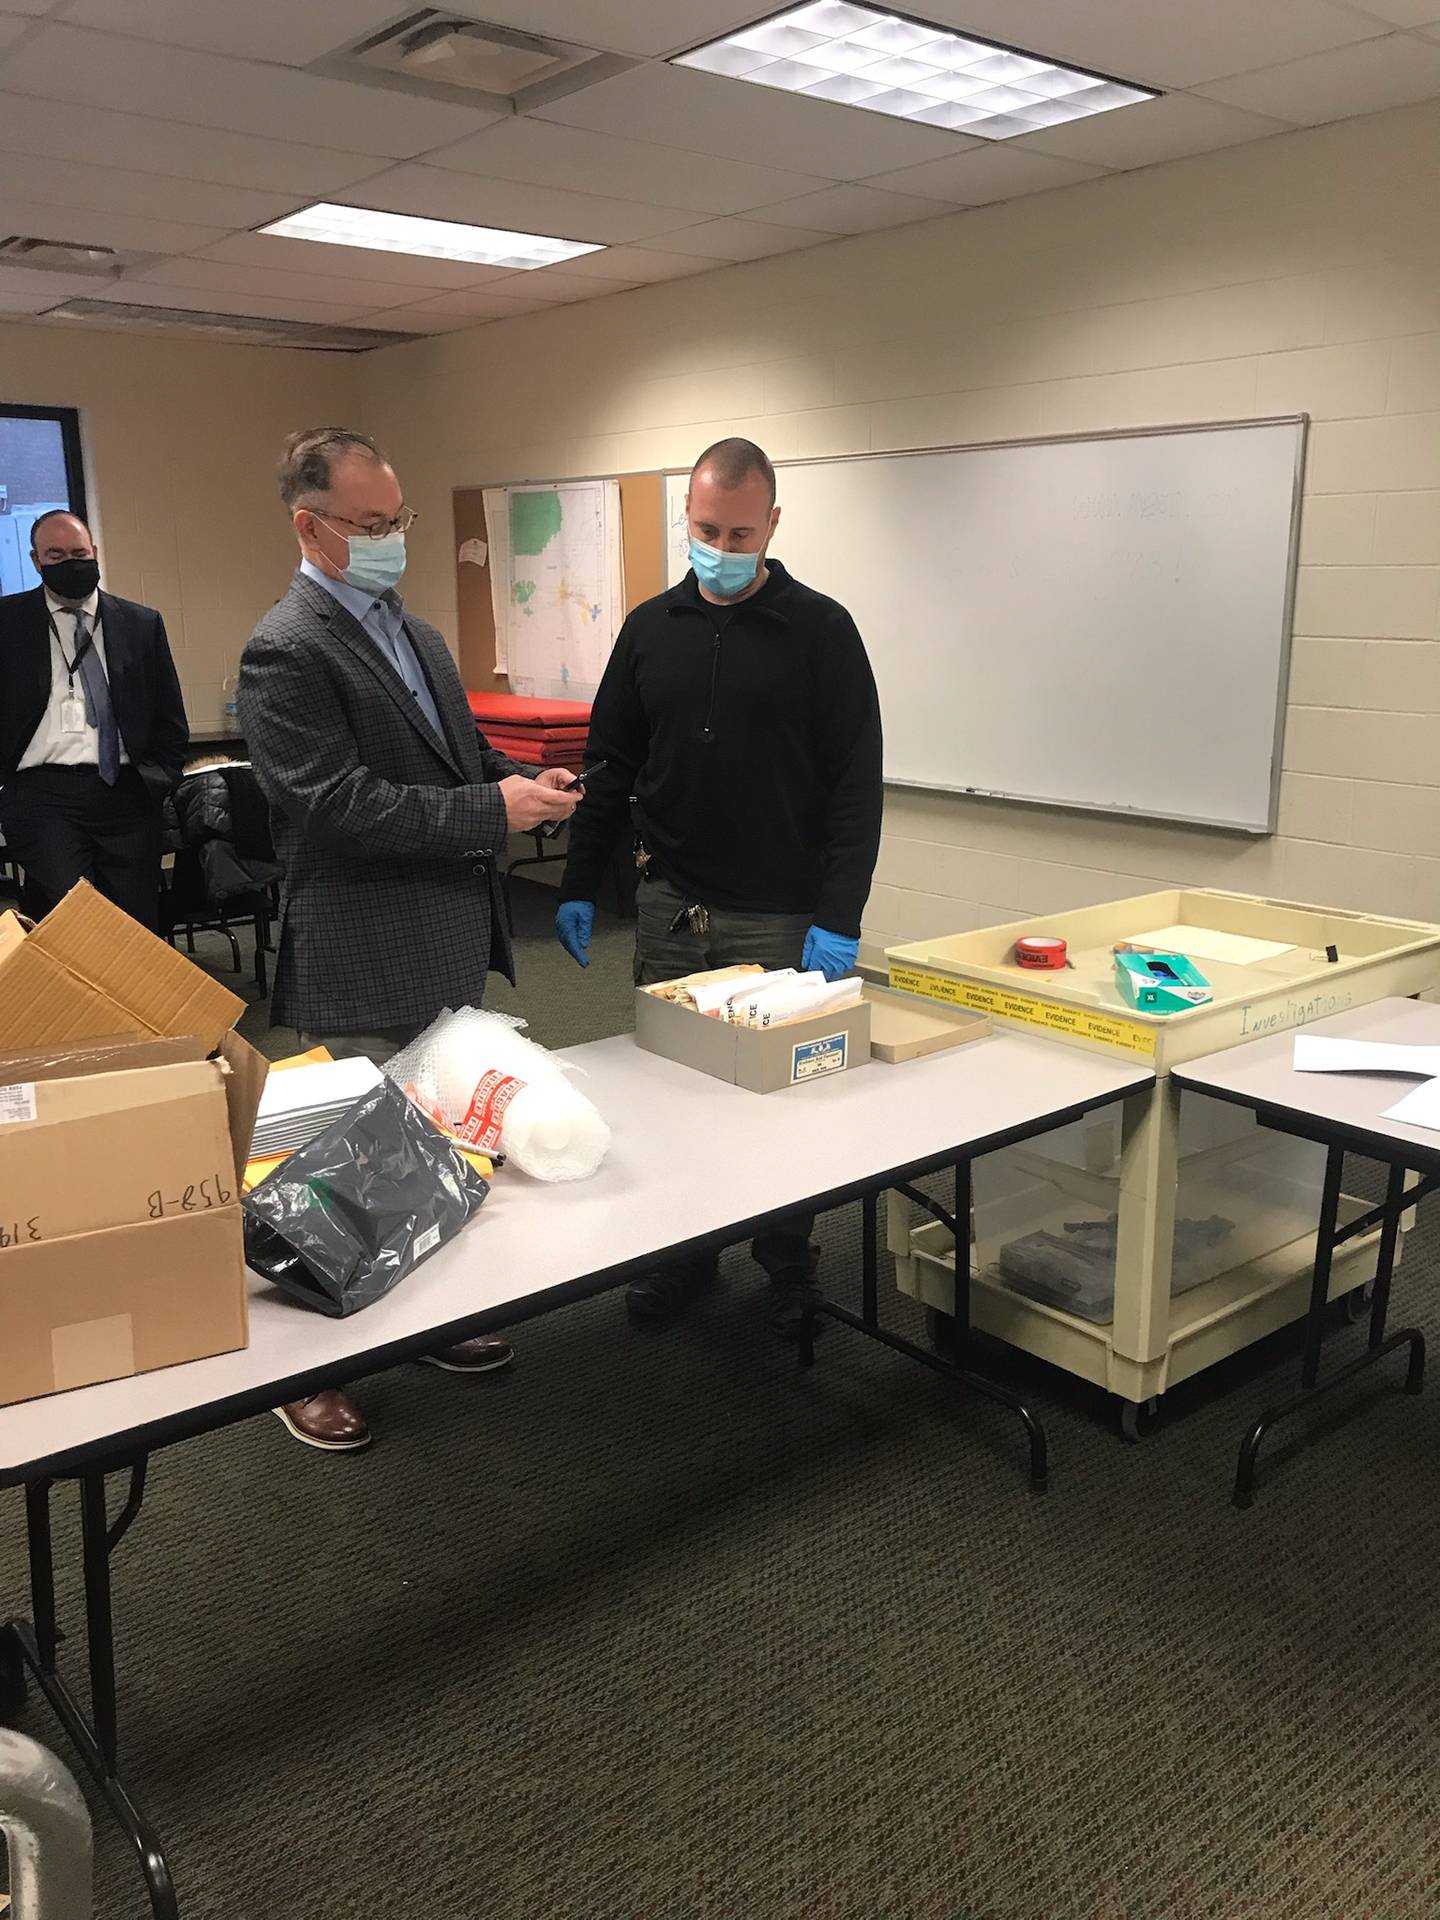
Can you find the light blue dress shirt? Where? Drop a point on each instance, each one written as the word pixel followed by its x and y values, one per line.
pixel 384 621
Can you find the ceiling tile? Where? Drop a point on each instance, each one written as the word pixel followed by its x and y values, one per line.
pixel 732 239
pixel 617 26
pixel 849 209
pixel 353 263
pixel 401 320
pixel 555 285
pixel 263 306
pixel 1334 86
pixel 974 179
pixel 545 154
pixel 474 303
pixel 32 8
pixel 1175 125
pixel 95 226
pixel 11 30
pixel 271 30
pixel 505 203
pixel 100 69
pixel 32 126
pixel 644 266
pixel 705 113
pixel 1164 45
pixel 73 183
pixel 220 279
pixel 1400 13
pixel 23 291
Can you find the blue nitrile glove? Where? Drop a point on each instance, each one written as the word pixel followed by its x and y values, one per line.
pixel 575 922
pixel 831 953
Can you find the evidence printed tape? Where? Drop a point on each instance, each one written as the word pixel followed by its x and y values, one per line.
pixel 1084 1023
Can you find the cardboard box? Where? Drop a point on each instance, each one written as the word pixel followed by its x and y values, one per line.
pixel 903 1027
pixel 760 1059
pixel 127 1103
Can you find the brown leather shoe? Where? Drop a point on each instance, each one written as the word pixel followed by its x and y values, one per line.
pixel 326 1420
pixel 485 1355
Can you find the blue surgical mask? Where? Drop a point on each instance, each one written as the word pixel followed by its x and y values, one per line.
pixel 375 565
pixel 725 574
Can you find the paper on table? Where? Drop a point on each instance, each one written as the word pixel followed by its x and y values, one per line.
pixel 1419 1108
pixel 1208 943
pixel 328 1084
pixel 1318 1053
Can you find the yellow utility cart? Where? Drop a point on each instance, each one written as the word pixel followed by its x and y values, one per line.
pixel 1198 1223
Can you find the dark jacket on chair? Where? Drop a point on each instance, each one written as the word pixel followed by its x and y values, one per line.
pixel 144 689
pixel 388 834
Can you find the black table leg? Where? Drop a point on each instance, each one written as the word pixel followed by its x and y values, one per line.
pixel 868 1320
pixel 1397 1202
pixel 96 1739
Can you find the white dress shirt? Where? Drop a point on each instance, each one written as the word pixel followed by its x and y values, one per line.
pixel 51 745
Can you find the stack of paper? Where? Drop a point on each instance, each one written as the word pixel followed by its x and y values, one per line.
pixel 301 1103
pixel 1319 1053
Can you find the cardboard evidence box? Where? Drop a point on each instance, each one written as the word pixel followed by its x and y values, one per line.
pixel 760 1059
pixel 127 1103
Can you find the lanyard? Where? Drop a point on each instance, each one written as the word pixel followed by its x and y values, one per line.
pixel 72 667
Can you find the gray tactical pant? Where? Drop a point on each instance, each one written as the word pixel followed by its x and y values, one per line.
pixel 733 939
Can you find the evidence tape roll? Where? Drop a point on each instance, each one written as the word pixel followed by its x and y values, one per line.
pixel 1044 953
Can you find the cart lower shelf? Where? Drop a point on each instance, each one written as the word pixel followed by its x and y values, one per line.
pixel 1207 1324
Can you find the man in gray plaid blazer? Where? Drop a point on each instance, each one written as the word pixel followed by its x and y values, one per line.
pixel 388 808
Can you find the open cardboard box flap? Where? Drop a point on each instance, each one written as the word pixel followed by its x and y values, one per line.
pixel 87 974
pixel 88 971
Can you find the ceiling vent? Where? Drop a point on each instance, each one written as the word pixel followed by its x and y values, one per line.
pixel 67 256
pixel 231 326
pixel 434 54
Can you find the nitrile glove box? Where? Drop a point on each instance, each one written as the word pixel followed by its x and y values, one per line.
pixel 760 1059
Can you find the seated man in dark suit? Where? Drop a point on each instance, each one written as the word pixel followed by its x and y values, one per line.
pixel 388 809
pixel 92 729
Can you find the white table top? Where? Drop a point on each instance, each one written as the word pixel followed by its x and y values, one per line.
pixel 1260 1075
pixel 690 1157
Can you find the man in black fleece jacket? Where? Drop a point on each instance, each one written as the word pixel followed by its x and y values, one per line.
pixel 739 711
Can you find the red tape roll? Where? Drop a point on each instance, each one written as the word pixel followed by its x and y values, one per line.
pixel 1044 953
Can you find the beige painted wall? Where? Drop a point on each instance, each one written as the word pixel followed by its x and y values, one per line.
pixel 181 438
pixel 1300 273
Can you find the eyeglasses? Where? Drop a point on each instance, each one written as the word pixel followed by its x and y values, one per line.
pixel 402 523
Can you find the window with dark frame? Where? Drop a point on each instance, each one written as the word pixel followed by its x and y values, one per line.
pixel 40 469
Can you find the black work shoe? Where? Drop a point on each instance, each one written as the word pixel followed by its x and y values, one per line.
pixel 790 1293
pixel 659 1298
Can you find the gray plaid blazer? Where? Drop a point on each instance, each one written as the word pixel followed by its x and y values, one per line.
pixel 388 835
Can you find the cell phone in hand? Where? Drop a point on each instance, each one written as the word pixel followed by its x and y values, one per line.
pixel 552 827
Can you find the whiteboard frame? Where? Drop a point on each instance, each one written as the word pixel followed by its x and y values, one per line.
pixel 1297 499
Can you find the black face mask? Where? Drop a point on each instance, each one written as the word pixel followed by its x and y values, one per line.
pixel 71 579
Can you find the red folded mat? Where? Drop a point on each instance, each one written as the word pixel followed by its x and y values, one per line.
pixel 535 753
pixel 512 711
pixel 541 736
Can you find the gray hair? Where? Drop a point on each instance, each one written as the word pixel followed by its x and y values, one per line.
pixel 309 456
pixel 734 460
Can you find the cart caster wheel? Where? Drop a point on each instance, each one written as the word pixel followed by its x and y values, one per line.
pixel 12 1678
pixel 1355 1305
pixel 1139 1418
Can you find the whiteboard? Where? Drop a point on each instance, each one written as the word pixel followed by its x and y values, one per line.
pixel 1094 622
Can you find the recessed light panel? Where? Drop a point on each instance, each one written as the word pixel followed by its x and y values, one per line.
pixel 886 63
pixel 338 226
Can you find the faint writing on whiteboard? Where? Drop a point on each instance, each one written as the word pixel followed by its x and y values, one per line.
pixel 1130 506
pixel 474 553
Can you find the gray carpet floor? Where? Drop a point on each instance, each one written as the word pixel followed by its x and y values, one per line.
pixel 656 1629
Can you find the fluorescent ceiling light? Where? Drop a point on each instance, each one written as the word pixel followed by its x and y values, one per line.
pixel 435 239
pixel 886 63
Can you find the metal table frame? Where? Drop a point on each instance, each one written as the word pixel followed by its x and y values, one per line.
pixel 29 1647
pixel 1401 1159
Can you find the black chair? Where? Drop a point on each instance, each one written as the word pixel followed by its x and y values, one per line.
pixel 221 882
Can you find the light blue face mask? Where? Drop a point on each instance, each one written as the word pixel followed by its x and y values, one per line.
pixel 375 565
pixel 725 574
